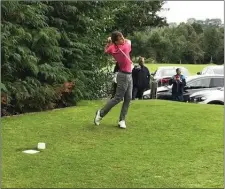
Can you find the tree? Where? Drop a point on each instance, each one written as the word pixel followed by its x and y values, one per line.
pixel 52 52
pixel 197 27
pixel 186 43
pixel 134 16
pixel 191 20
pixel 212 41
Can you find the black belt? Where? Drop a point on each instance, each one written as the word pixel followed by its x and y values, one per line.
pixel 125 72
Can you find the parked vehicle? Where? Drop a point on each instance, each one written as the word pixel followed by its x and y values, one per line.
pixel 193 84
pixel 214 70
pixel 212 96
pixel 163 74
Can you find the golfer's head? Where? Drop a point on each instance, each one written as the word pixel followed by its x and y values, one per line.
pixel 141 61
pixel 117 38
pixel 178 71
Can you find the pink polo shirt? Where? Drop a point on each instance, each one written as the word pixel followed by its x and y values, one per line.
pixel 124 63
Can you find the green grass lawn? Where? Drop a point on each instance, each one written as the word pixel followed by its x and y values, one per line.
pixel 193 68
pixel 165 145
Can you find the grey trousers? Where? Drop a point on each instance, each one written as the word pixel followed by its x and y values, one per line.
pixel 123 90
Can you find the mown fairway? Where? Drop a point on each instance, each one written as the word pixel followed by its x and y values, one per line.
pixel 166 144
pixel 193 68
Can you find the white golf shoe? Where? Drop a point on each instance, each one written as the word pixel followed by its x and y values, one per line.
pixel 122 124
pixel 98 118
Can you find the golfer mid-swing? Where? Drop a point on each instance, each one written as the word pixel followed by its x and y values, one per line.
pixel 120 49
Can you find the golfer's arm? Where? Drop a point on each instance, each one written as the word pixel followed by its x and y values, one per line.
pixel 107 49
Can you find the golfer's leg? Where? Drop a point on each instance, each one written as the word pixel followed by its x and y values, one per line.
pixel 114 86
pixel 120 92
pixel 127 99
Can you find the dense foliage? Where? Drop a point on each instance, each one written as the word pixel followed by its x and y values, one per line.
pixel 194 42
pixel 52 52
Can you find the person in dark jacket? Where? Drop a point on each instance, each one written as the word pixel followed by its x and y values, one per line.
pixel 179 83
pixel 141 79
pixel 114 85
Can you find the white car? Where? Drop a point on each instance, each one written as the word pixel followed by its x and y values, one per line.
pixel 212 70
pixel 163 74
pixel 213 96
pixel 193 84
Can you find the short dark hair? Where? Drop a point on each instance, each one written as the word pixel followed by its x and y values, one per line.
pixel 115 35
pixel 178 69
pixel 140 58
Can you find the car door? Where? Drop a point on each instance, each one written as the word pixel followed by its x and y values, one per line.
pixel 196 85
pixel 165 95
pixel 216 82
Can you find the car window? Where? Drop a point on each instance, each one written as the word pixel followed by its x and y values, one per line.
pixel 217 82
pixel 168 72
pixel 209 71
pixel 171 72
pixel 203 82
pixel 218 70
pixel 184 72
pixel 204 70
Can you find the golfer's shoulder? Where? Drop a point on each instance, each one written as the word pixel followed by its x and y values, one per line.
pixel 127 42
pixel 111 49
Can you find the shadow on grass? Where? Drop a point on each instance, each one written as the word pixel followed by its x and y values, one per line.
pixel 93 127
pixel 23 149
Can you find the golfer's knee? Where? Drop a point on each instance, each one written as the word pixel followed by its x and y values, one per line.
pixel 128 98
pixel 118 99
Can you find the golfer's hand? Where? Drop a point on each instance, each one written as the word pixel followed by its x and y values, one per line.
pixel 109 40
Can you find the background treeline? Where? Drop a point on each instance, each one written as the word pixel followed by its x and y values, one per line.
pixel 194 42
pixel 52 52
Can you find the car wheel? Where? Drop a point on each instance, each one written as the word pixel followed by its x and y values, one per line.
pixel 216 103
